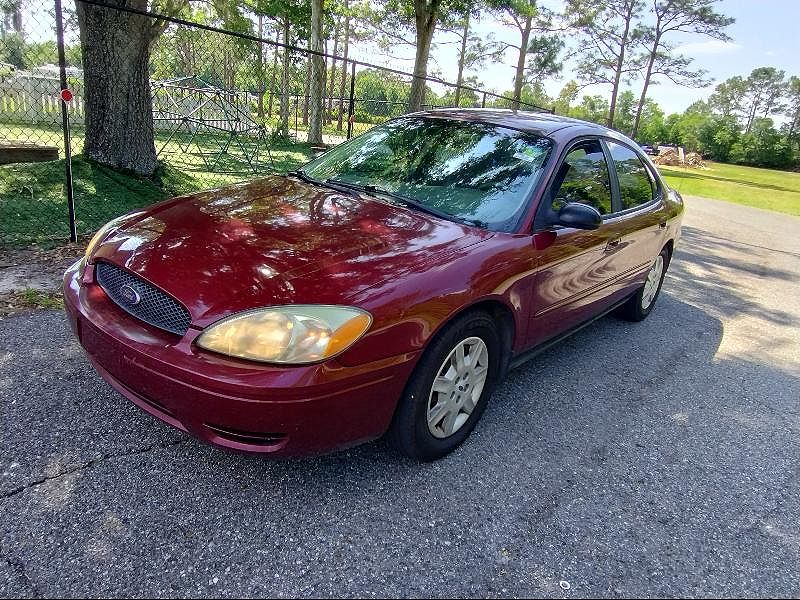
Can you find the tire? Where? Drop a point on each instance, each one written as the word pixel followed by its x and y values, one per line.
pixel 642 302
pixel 410 432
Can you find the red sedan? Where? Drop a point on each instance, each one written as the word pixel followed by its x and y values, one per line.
pixel 384 288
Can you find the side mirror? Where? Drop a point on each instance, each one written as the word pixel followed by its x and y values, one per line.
pixel 579 216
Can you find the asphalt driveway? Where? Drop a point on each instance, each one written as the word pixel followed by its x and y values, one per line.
pixel 651 459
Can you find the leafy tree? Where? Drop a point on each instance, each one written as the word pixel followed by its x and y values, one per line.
pixel 625 111
pixel 728 97
pixel 394 18
pixel 545 58
pixel 566 97
pixel 762 146
pixel 652 125
pixel 684 129
pixel 677 17
pixel 793 105
pixel 612 33
pixel 474 51
pixel 382 94
pixel 764 89
pixel 293 18
pixel 533 23
pixel 11 16
pixel 717 136
pixel 592 108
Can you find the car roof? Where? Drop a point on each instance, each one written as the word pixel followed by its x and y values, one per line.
pixel 539 123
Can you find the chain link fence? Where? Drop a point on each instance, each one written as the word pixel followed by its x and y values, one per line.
pixel 227 105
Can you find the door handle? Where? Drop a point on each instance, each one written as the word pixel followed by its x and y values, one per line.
pixel 613 244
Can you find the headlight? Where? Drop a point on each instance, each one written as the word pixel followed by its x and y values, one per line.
pixel 287 334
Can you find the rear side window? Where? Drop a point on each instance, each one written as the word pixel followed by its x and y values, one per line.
pixel 635 183
pixel 584 178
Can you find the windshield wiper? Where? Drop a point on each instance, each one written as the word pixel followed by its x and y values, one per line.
pixel 300 174
pixel 373 189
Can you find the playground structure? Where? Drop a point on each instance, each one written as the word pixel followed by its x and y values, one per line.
pixel 209 127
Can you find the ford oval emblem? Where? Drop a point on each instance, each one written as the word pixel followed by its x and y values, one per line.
pixel 129 295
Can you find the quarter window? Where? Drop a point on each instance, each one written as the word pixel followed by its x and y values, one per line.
pixel 585 178
pixel 635 182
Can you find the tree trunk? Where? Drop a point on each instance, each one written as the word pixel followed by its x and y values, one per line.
pixel 317 75
pixel 647 75
pixel 343 84
pixel 519 76
pixel 332 74
pixel 461 58
pixel 751 116
pixel 795 123
pixel 283 129
pixel 274 72
pixel 307 87
pixel 118 105
pixel 426 15
pixel 16 16
pixel 620 64
pixel 261 75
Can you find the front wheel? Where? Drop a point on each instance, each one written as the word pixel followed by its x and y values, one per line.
pixel 642 302
pixel 449 389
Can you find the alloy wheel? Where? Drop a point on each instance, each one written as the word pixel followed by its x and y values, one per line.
pixel 457 387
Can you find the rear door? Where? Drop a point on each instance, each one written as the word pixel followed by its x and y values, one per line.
pixel 639 220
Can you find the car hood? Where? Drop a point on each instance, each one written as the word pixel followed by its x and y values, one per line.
pixel 274 241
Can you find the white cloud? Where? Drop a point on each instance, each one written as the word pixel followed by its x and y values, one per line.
pixel 708 47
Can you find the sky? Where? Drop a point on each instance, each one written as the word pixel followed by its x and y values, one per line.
pixel 766 33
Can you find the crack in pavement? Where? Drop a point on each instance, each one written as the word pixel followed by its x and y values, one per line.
pixel 87 465
pixel 23 573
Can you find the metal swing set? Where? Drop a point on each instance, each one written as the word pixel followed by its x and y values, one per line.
pixel 211 123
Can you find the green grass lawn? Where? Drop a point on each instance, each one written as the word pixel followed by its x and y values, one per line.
pixel 762 188
pixel 33 207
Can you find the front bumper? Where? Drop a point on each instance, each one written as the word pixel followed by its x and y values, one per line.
pixel 282 411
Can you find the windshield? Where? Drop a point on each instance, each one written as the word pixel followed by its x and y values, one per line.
pixel 471 171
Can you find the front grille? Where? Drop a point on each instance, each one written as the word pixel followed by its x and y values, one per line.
pixel 141 299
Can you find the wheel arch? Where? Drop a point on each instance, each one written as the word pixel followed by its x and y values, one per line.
pixel 500 311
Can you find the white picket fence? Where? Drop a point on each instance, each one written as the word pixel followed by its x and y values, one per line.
pixel 34 99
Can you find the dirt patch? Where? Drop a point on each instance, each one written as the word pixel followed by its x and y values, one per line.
pixel 30 278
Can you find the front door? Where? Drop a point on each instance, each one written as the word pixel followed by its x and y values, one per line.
pixel 576 269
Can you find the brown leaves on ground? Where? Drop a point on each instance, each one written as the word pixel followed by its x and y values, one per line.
pixel 28 299
pixel 30 278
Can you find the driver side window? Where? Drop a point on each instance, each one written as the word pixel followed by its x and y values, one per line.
pixel 585 178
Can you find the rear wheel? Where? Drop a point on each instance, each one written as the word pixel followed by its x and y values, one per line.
pixel 642 302
pixel 448 391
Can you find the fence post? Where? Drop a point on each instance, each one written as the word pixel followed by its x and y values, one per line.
pixel 352 109
pixel 62 71
pixel 483 102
